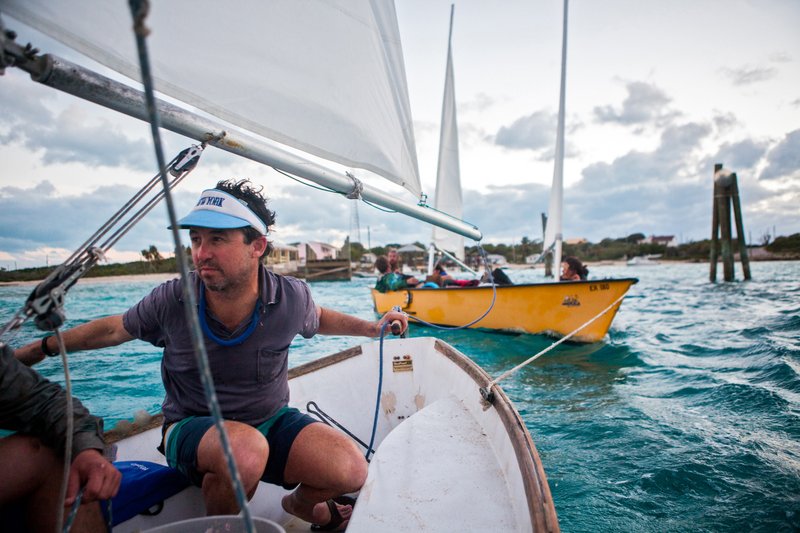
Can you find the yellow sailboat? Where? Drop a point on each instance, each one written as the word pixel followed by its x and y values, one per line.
pixel 540 308
pixel 582 309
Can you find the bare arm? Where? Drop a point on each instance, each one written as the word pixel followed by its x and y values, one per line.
pixel 335 323
pixel 107 331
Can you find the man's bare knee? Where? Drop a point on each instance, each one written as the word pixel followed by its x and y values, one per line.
pixel 250 452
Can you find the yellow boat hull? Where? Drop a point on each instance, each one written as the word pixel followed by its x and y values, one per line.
pixel 546 308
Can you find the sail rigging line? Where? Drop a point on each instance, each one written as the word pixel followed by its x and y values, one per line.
pixel 313 409
pixel 454 259
pixel 139 9
pixel 486 392
pixel 70 428
pixel 300 181
pixel 379 208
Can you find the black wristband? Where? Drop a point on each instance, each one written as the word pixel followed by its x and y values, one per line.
pixel 45 351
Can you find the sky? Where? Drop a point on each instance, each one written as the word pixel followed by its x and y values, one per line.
pixel 657 93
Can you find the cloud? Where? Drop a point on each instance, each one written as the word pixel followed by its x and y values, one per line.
pixel 19 108
pixel 741 155
pixel 481 102
pixel 645 103
pixel 38 218
pixel 784 159
pixel 69 136
pixel 678 143
pixel 725 122
pixel 507 213
pixel 748 75
pixel 533 132
pixel 650 192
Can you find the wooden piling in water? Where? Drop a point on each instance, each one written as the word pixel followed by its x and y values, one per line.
pixel 737 216
pixel 726 193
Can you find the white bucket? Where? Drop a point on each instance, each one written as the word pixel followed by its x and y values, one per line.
pixel 218 524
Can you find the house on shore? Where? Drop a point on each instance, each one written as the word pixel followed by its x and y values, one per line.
pixel 283 259
pixel 664 240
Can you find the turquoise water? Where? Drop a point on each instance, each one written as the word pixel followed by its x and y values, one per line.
pixel 686 418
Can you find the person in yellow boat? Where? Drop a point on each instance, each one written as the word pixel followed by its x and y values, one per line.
pixel 573 270
pixel 249 317
pixel 32 459
pixel 394 260
pixel 389 280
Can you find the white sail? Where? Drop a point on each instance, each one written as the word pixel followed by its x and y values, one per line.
pixel 448 175
pixel 552 236
pixel 264 75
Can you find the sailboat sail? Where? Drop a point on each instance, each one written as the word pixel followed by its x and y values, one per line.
pixel 264 76
pixel 552 236
pixel 448 176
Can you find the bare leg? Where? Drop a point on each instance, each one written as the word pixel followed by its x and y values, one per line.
pixel 250 452
pixel 327 464
pixel 32 476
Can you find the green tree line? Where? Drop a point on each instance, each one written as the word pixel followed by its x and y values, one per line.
pixel 606 250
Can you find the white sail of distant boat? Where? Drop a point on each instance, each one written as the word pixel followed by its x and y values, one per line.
pixel 553 237
pixel 448 175
pixel 358 117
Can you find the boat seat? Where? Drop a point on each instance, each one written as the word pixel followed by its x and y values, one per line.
pixel 436 471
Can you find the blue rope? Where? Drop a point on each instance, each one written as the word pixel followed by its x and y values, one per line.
pixel 73 511
pixel 378 398
pixel 210 334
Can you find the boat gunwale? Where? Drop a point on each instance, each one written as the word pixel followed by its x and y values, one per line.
pixel 633 281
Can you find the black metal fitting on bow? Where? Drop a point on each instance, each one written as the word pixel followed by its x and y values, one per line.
pixel 487 395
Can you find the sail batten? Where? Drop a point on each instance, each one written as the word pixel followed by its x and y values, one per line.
pixel 325 77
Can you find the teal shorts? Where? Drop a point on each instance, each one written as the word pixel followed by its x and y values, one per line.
pixel 183 439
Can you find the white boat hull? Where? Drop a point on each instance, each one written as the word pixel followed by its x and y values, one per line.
pixel 444 460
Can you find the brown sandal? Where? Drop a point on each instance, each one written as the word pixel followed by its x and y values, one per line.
pixel 336 518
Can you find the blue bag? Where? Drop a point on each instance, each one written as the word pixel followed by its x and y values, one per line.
pixel 144 485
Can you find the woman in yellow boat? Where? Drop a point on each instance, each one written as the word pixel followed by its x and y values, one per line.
pixel 573 270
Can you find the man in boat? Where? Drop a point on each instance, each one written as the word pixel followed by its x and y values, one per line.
pixel 32 460
pixel 396 266
pixel 249 317
pixel 388 280
pixel 394 260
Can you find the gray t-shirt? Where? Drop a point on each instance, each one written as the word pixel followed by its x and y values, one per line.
pixel 251 378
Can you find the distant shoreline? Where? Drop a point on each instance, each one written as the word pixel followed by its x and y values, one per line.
pixel 156 278
pixel 165 276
